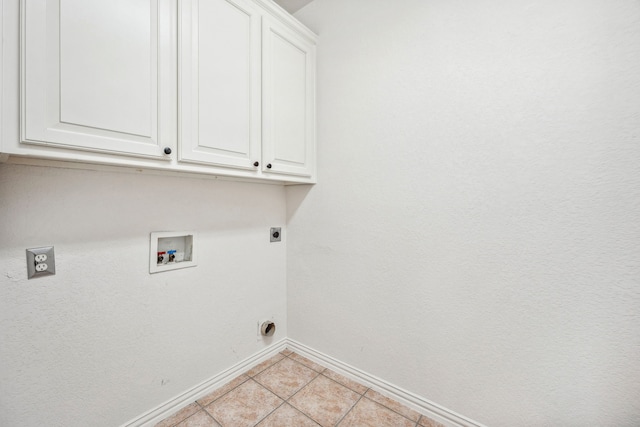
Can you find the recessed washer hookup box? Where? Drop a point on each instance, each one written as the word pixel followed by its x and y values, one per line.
pixel 170 250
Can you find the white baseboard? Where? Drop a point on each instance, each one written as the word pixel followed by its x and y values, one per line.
pixel 430 409
pixel 173 405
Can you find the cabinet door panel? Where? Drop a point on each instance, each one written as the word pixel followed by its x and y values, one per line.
pixel 104 61
pixel 220 83
pixel 289 82
pixel 95 73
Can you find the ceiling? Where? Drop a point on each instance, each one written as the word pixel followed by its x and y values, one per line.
pixel 292 6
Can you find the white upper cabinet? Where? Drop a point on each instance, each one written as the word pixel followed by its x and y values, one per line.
pixel 98 75
pixel 215 87
pixel 220 82
pixel 288 100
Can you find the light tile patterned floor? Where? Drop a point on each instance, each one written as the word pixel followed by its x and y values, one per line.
pixel 289 390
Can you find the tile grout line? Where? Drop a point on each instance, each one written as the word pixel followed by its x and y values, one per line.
pixel 204 408
pixel 275 409
pixel 188 416
pixel 224 394
pixel 264 387
pixel 305 415
pixel 321 373
pixel 298 391
pixel 284 401
pixel 221 396
pixel 393 410
pixel 363 395
pixel 287 400
pixel 273 364
pixel 349 411
pixel 420 415
pixel 207 412
pixel 214 418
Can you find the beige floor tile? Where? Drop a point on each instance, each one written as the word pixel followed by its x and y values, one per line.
pixel 179 416
pixel 368 413
pixel 245 405
pixel 306 362
pixel 393 405
pixel 199 419
pixel 317 396
pixel 347 382
pixel 264 365
pixel 287 416
pixel 286 377
pixel 206 400
pixel 286 352
pixel 324 400
pixel 428 422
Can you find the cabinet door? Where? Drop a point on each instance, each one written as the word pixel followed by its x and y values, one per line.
pixel 288 145
pixel 99 75
pixel 220 83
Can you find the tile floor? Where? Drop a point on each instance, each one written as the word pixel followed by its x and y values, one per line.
pixel 289 390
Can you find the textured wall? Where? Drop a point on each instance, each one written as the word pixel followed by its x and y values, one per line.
pixel 475 234
pixel 103 341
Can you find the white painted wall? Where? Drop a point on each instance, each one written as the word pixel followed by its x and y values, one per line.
pixel 475 234
pixel 103 341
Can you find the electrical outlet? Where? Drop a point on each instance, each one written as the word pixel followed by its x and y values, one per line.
pixel 40 262
pixel 276 234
